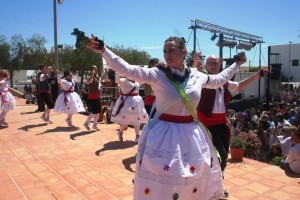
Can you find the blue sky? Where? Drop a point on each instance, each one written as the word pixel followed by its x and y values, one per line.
pixel 145 25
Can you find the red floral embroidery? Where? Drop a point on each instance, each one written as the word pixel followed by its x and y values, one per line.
pixel 166 167
pixel 192 169
pixel 147 191
pixel 194 190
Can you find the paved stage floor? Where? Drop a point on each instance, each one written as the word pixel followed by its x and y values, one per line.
pixel 52 161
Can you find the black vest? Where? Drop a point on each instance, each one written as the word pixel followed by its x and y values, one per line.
pixel 207 101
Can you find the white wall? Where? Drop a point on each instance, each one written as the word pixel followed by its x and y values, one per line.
pixel 286 51
pixel 22 75
pixel 253 87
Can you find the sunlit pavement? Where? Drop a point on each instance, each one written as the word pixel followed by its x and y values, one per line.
pixel 52 161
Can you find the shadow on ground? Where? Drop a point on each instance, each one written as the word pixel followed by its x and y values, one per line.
pixel 3 127
pixel 31 126
pixel 292 175
pixel 59 129
pixel 26 113
pixel 128 162
pixel 114 145
pixel 73 136
pixel 234 161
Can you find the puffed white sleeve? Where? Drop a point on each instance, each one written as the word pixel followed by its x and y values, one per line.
pixel 233 85
pixel 215 81
pixel 133 72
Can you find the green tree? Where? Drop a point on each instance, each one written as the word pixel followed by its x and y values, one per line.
pixel 17 51
pixel 36 53
pixel 132 56
pixel 189 58
pixel 83 58
pixel 4 52
pixel 65 55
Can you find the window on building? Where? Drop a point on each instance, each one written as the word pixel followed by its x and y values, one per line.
pixel 295 63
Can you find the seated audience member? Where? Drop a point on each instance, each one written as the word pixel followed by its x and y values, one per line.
pixel 274 152
pixel 31 99
pixel 263 134
pixel 292 161
pixel 284 140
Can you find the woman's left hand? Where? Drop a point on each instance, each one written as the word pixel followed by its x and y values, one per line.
pixel 95 44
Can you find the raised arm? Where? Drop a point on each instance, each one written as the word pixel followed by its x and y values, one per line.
pixel 215 81
pixel 133 72
pixel 244 83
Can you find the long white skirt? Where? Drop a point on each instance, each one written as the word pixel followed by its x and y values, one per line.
pixel 8 102
pixel 132 113
pixel 72 105
pixel 175 160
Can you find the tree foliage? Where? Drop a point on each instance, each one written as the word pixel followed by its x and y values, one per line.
pixel 131 55
pixel 19 53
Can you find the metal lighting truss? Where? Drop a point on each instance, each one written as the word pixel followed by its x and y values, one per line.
pixel 226 31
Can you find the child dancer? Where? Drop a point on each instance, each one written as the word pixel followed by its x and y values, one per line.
pixel 129 108
pixel 45 93
pixel 94 85
pixel 68 101
pixel 7 100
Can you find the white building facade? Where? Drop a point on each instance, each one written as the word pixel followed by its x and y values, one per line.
pixel 288 55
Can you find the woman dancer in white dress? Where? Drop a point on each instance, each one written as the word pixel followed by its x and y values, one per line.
pixel 129 108
pixel 68 101
pixel 7 100
pixel 176 158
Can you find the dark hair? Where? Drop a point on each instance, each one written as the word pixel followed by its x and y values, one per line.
pixel 41 66
pixel 297 134
pixel 52 73
pixel 179 41
pixel 66 73
pixel 153 61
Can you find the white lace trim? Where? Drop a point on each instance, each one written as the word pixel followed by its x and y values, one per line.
pixel 173 155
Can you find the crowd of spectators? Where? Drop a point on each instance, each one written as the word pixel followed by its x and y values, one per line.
pixel 275 127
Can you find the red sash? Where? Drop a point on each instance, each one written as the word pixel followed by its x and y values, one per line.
pixel 149 100
pixel 134 94
pixel 176 118
pixel 213 120
pixel 123 101
pixel 67 92
pixel 3 95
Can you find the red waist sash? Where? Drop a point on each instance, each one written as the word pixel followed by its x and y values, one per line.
pixel 133 94
pixel 65 93
pixel 2 95
pixel 176 118
pixel 213 120
pixel 149 100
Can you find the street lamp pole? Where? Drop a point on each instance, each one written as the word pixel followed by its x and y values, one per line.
pixel 55 31
pixel 289 63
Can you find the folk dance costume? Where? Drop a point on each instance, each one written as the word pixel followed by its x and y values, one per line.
pixel 176 158
pixel 211 112
pixel 44 91
pixel 129 108
pixel 68 101
pixel 7 100
pixel 94 102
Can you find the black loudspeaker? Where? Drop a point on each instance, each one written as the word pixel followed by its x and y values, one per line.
pixel 275 71
pixel 229 61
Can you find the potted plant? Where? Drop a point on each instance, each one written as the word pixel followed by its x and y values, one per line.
pixel 252 143
pixel 237 147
